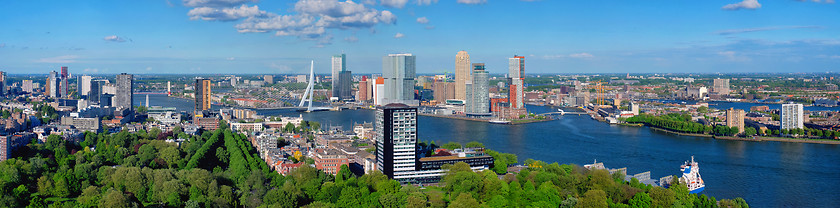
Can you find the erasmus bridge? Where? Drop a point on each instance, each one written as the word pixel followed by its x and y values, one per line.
pixel 307 95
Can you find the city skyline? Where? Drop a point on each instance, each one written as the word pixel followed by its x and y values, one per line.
pixel 213 36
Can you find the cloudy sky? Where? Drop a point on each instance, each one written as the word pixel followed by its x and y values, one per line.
pixel 556 36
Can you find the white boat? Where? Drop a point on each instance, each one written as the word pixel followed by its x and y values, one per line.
pixel 499 121
pixel 691 177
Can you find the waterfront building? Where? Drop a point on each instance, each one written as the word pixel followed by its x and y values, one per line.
pixel 363 94
pixel 517 75
pixel 398 71
pixel 52 85
pixel 735 118
pixel 475 157
pixel 164 115
pixel 65 75
pixel 378 91
pixel 443 90
pixel 83 85
pixel 342 80
pixel 792 117
pixel 478 91
pixel 268 79
pixel 760 108
pixel 125 91
pixel 462 74
pixel 202 95
pixel 27 86
pixel 721 86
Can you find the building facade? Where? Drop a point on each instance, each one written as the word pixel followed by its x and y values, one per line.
pixel 64 84
pixel 398 71
pixel 330 160
pixel 516 72
pixel 462 74
pixel 125 91
pixel 721 86
pixel 83 85
pixel 396 139
pixel 202 95
pixel 735 118
pixel 52 85
pixel 792 117
pixel 478 99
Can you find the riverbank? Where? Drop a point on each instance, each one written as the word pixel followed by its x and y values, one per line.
pixel 514 122
pixel 756 139
pixel 680 133
pixel 813 141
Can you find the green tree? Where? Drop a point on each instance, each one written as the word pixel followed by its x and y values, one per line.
pixel 640 200
pixel 464 200
pixel 113 198
pixel 593 198
pixel 474 144
pixel 451 146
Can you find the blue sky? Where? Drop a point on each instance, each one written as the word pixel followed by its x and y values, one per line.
pixel 274 37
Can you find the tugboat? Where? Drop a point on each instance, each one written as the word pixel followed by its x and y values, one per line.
pixel 691 177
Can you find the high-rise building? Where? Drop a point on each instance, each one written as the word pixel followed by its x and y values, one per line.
pixel 462 74
pixel 443 90
pixel 792 116
pixel 338 66
pixel 478 91
pixel 268 79
pixel 202 95
pixel 95 93
pixel 396 139
pixel 378 90
pixel 735 118
pixel 65 76
pixel 125 91
pixel 52 85
pixel 83 85
pixel 399 72
pixel 3 88
pixel 345 85
pixel 517 75
pixel 721 86
pixel 363 89
pixel 27 86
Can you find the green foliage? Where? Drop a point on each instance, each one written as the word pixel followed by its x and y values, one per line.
pixel 673 122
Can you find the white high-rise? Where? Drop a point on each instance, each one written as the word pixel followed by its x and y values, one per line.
pixel 398 71
pixel 338 66
pixel 83 84
pixel 462 74
pixel 792 116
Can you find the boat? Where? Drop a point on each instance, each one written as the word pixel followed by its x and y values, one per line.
pixel 691 177
pixel 499 121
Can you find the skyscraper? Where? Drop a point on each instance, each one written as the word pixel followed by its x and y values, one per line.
pixel 52 85
pixel 735 118
pixel 462 74
pixel 268 79
pixel 338 66
pixel 345 85
pixel 478 91
pixel 27 86
pixel 517 75
pixel 399 72
pixel 83 85
pixel 396 139
pixel 792 116
pixel 721 86
pixel 95 93
pixel 202 95
pixel 443 90
pixel 125 91
pixel 363 89
pixel 65 76
pixel 378 90
pixel 3 90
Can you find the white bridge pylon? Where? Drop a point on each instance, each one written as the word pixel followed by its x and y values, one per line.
pixel 307 95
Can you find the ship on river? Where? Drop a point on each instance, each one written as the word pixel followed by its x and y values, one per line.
pixel 691 177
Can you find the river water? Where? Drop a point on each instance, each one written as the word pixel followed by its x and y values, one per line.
pixel 766 174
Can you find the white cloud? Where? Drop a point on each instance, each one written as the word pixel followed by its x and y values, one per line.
pixel 581 55
pixel 430 27
pixel 835 57
pixel 394 3
pixel 215 3
pixel 399 35
pixel 472 1
pixel 351 39
pixel 225 14
pixel 114 38
pixel 745 4
pixel 280 67
pixel 733 56
pixel 90 70
pixel 59 59
pixel 148 68
pixel 426 2
pixel 332 8
pixel 231 58
pixel 422 20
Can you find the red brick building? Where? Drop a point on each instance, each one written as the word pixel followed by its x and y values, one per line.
pixel 330 160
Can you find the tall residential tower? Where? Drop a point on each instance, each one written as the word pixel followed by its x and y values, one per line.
pixel 125 91
pixel 202 95
pixel 462 74
pixel 398 70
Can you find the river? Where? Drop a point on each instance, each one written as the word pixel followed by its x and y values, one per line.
pixel 766 174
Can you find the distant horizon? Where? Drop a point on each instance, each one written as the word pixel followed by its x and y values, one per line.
pixel 281 37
